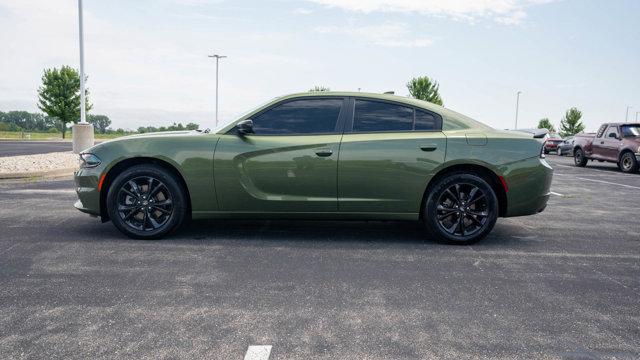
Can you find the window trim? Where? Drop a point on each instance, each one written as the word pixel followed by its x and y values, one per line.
pixel 336 131
pixel 352 111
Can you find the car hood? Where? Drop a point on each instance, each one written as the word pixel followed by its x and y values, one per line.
pixel 145 136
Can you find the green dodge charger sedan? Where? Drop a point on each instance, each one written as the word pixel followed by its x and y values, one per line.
pixel 324 155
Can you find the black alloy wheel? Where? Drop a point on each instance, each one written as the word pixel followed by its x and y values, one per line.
pixel 146 202
pixel 460 208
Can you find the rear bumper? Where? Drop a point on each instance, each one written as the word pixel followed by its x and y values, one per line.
pixel 529 184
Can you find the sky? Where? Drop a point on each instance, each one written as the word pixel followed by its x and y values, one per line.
pixel 147 59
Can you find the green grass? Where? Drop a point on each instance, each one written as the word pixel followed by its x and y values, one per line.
pixel 19 135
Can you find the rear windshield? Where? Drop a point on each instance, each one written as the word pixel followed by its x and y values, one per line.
pixel 630 130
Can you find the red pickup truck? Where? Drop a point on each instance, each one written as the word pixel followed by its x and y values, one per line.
pixel 614 142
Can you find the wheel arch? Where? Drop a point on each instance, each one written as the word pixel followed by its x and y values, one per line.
pixel 122 165
pixel 482 171
pixel 577 147
pixel 623 152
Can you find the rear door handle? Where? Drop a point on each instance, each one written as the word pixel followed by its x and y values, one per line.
pixel 428 147
pixel 324 152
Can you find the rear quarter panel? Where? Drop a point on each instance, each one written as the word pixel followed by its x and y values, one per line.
pixel 513 156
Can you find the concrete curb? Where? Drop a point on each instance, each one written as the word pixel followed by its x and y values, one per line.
pixel 38 174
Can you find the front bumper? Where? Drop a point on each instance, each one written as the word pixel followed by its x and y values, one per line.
pixel 529 184
pixel 86 181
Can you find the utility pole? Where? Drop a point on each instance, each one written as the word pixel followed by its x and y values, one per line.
pixel 83 136
pixel 83 115
pixel 626 117
pixel 517 107
pixel 217 57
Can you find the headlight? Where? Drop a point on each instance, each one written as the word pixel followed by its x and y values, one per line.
pixel 89 160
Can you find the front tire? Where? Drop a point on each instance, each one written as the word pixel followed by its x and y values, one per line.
pixel 628 163
pixel 146 202
pixel 579 159
pixel 460 209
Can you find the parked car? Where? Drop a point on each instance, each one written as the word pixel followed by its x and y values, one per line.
pixel 566 146
pixel 329 155
pixel 552 143
pixel 614 142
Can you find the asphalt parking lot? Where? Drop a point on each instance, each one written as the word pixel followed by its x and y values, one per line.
pixel 15 148
pixel 564 284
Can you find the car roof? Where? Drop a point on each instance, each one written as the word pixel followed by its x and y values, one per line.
pixel 621 123
pixel 443 111
pixel 389 97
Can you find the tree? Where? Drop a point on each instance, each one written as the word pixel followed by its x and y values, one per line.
pixel 100 122
pixel 192 126
pixel 426 89
pixel 546 124
pixel 571 124
pixel 319 88
pixel 59 95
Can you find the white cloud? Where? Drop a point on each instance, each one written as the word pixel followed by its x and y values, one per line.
pixel 387 34
pixel 302 11
pixel 504 11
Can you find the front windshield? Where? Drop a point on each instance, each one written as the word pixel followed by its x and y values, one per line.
pixel 630 130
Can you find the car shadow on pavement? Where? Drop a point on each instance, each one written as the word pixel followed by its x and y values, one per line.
pixel 306 233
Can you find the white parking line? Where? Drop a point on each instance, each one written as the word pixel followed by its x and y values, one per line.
pixel 610 172
pixel 556 194
pixel 258 352
pixel 38 191
pixel 608 182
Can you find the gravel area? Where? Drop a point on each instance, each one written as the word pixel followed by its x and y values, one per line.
pixel 39 162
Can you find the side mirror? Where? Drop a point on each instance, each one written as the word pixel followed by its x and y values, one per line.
pixel 245 127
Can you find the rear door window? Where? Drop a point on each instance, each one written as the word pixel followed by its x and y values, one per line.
pixel 373 116
pixel 426 121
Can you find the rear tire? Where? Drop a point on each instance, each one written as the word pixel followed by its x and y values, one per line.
pixel 460 208
pixel 628 163
pixel 146 202
pixel 579 159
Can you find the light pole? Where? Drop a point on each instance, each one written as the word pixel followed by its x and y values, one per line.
pixel 637 112
pixel 517 106
pixel 217 57
pixel 83 115
pixel 82 132
pixel 626 117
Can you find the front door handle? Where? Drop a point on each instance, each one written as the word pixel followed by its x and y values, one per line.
pixel 324 152
pixel 428 147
